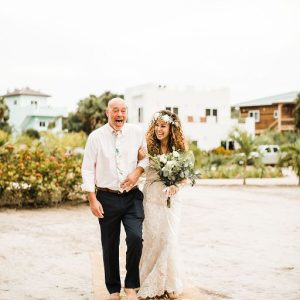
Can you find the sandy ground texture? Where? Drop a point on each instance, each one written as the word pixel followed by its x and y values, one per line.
pixel 236 242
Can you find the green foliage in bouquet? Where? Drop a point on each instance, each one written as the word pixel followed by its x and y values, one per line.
pixel 175 167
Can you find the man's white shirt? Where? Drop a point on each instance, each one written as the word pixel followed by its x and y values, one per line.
pixel 99 165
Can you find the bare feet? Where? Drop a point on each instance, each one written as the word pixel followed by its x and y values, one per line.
pixel 173 295
pixel 131 294
pixel 114 296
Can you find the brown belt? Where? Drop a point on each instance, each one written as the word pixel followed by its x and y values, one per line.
pixel 115 191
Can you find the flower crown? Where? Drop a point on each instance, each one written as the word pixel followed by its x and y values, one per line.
pixel 165 118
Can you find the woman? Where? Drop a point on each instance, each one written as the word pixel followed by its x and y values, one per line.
pixel 159 270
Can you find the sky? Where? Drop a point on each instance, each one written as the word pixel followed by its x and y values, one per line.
pixel 71 49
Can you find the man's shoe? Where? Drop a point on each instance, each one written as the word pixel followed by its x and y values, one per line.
pixel 115 296
pixel 131 294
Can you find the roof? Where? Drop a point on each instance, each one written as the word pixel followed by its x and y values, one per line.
pixel 282 98
pixel 25 91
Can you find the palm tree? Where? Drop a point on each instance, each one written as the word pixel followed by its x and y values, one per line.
pixel 291 157
pixel 297 112
pixel 246 147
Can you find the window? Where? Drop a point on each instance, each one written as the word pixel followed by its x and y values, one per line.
pixel 173 109
pixel 275 114
pixel 211 112
pixel 254 114
pixel 190 119
pixel 231 145
pixel 42 124
pixel 141 115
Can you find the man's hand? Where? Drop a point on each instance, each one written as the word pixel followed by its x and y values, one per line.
pixel 95 206
pixel 131 180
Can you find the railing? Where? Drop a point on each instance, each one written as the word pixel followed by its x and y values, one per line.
pixel 273 125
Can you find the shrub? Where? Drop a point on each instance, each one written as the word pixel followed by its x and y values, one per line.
pixel 35 177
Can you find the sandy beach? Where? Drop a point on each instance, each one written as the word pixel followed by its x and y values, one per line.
pixel 237 243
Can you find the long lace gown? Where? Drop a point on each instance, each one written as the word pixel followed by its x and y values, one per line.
pixel 159 266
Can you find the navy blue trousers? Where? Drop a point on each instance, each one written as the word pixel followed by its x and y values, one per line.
pixel 126 208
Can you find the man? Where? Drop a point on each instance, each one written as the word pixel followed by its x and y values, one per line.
pixel 111 164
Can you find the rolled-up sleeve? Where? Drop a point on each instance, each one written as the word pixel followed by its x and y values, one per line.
pixel 144 162
pixel 88 169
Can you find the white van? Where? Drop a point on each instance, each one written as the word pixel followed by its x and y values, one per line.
pixel 270 154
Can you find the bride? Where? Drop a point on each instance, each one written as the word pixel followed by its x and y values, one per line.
pixel 159 270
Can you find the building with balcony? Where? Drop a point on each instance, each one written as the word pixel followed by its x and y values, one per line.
pixel 31 109
pixel 275 112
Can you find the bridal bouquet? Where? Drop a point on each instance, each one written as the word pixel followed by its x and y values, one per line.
pixel 175 167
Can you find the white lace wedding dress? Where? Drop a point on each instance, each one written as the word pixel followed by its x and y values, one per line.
pixel 159 266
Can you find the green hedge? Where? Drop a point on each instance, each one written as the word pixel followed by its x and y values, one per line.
pixel 37 177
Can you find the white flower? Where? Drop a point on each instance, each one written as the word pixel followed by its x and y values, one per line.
pixel 166 119
pixel 175 154
pixel 163 159
pixel 156 116
pixel 170 163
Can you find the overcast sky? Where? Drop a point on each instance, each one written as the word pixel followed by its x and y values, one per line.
pixel 71 49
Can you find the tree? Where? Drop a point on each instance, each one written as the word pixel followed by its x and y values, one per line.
pixel 32 133
pixel 4 116
pixel 291 157
pixel 90 113
pixel 297 112
pixel 245 151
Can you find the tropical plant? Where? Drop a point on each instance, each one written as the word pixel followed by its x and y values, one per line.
pixel 246 147
pixel 291 157
pixel 271 137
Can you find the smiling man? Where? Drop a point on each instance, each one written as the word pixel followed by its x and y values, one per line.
pixel 110 171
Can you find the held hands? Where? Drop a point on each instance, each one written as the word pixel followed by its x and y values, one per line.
pixel 131 179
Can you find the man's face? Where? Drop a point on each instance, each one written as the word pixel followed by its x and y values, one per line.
pixel 117 114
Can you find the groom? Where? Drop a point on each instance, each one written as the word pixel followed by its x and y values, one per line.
pixel 110 165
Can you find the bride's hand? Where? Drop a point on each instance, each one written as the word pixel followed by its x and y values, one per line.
pixel 141 154
pixel 172 190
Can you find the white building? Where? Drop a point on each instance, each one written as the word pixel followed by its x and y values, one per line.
pixel 205 115
pixel 30 109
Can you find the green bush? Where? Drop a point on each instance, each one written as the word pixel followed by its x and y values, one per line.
pixel 36 177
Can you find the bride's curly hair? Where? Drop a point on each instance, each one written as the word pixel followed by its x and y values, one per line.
pixel 176 137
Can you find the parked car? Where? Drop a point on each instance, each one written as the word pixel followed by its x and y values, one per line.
pixel 269 153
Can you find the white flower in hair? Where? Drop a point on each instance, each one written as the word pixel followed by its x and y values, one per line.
pixel 166 119
pixel 156 116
